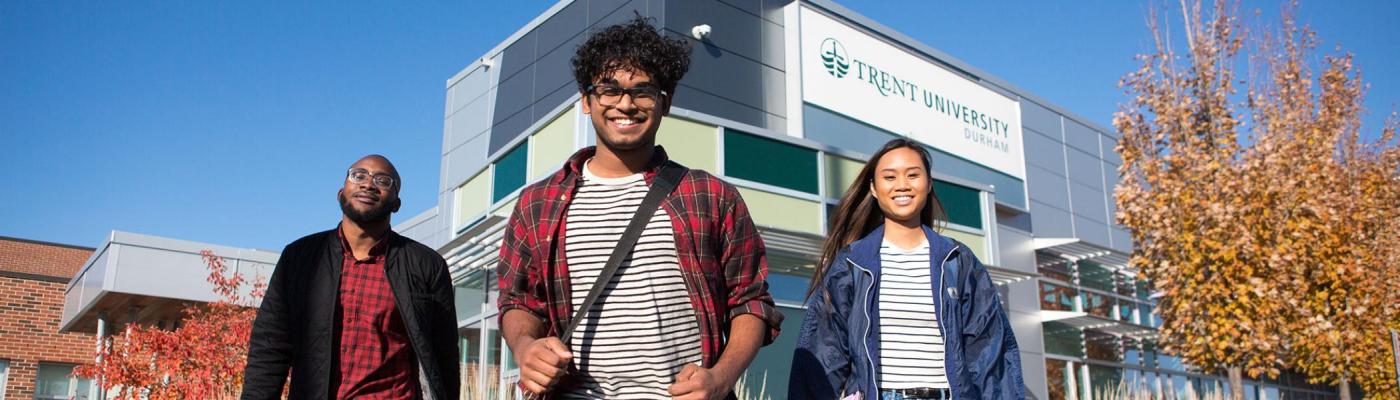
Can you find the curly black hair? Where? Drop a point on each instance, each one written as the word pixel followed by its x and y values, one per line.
pixel 635 44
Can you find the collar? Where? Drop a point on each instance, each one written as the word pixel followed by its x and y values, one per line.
pixel 574 167
pixel 376 251
pixel 866 251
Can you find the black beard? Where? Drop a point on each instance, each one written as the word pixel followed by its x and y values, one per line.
pixel 380 213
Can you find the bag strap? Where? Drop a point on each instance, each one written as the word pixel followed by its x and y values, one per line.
pixel 666 180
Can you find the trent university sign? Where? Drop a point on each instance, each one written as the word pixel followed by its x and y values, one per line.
pixel 851 73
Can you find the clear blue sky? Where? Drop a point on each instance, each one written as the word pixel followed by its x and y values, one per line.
pixel 233 122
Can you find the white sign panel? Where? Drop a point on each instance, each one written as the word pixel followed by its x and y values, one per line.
pixel 861 77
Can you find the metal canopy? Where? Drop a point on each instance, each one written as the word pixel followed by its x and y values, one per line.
pixel 1075 249
pixel 1084 320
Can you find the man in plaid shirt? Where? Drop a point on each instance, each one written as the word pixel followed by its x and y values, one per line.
pixel 357 311
pixel 627 75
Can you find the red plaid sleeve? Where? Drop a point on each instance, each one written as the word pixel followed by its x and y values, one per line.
pixel 746 267
pixel 517 274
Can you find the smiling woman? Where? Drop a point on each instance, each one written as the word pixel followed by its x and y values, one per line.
pixel 913 288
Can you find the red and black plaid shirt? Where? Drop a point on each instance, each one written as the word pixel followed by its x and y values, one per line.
pixel 721 254
pixel 376 359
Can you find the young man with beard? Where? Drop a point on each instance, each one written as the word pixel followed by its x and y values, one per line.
pixel 688 307
pixel 357 311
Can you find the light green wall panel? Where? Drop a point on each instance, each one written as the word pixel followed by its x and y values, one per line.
pixel 783 212
pixel 472 199
pixel 978 244
pixel 552 144
pixel 506 207
pixel 840 172
pixel 691 144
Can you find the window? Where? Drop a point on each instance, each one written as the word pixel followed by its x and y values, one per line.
pixel 769 161
pixel 1063 339
pixel 1104 380
pixel 1056 298
pixel 56 381
pixel 1125 310
pixel 510 173
pixel 1054 267
pixel 1102 346
pixel 1098 304
pixel 1096 276
pixel 4 376
pixel 962 204
pixel 1059 376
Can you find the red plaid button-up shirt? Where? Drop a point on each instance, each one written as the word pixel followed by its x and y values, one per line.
pixel 376 359
pixel 721 254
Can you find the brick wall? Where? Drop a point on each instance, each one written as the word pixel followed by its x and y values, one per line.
pixel 30 308
pixel 39 258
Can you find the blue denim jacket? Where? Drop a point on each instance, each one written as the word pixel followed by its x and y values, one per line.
pixel 838 349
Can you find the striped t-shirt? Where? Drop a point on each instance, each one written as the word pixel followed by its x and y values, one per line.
pixel 911 345
pixel 642 330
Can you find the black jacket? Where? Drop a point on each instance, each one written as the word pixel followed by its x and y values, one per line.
pixel 295 327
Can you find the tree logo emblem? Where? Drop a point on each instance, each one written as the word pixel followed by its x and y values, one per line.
pixel 834 58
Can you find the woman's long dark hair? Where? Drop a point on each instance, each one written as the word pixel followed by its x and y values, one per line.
pixel 859 213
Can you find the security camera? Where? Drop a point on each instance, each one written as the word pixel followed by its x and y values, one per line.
pixel 700 32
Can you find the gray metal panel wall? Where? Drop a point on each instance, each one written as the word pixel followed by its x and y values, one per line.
pixel 732 75
pixel 1071 170
pixel 535 72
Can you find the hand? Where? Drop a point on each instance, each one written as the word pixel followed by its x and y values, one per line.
pixel 542 363
pixel 696 383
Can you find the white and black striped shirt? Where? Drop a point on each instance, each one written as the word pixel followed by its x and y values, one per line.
pixel 911 345
pixel 642 330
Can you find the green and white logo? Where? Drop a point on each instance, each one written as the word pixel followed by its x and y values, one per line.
pixel 834 58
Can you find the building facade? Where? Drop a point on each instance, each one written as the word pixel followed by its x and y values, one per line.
pixel 786 99
pixel 36 360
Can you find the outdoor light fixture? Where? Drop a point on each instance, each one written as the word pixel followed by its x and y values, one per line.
pixel 700 32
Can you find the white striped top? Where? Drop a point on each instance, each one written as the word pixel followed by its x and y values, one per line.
pixel 911 345
pixel 642 330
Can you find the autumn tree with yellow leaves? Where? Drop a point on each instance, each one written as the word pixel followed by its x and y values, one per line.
pixel 1259 213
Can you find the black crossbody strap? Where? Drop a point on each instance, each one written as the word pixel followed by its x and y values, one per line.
pixel 666 180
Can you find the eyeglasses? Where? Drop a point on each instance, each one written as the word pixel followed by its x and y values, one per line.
pixel 642 97
pixel 360 175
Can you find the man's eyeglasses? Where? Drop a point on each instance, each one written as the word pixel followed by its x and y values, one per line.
pixel 360 175
pixel 643 97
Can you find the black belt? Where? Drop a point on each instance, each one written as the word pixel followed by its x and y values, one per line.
pixel 922 393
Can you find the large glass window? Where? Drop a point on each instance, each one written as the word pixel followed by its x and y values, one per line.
pixel 1146 317
pixel 1168 362
pixel 769 371
pixel 56 381
pixel 1149 354
pixel 4 376
pixel 1059 376
pixel 1096 276
pixel 1125 311
pixel 1104 380
pixel 769 161
pixel 1098 304
pixel 1102 346
pixel 1127 286
pixel 1054 267
pixel 1056 297
pixel 510 172
pixel 962 204
pixel 1063 339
